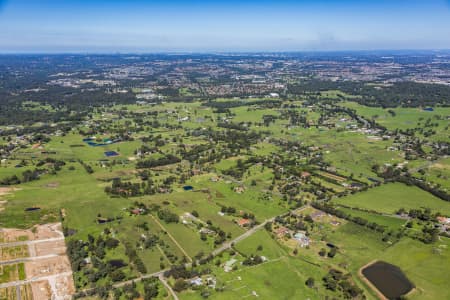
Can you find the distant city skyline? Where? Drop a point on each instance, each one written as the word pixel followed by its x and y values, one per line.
pixel 101 26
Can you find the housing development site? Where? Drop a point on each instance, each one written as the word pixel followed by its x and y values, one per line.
pixel 34 264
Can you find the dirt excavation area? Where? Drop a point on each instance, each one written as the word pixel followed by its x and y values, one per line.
pixel 3 192
pixel 35 261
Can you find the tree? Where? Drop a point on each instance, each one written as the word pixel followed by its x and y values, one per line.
pixel 322 252
pixel 332 252
pixel 179 285
pixel 117 275
pixel 310 282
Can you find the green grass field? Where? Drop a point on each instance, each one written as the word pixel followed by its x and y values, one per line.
pixel 392 223
pixel 390 197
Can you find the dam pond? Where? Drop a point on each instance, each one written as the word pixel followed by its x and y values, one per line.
pixel 388 279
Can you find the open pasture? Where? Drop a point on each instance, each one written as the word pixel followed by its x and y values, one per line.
pixel 388 198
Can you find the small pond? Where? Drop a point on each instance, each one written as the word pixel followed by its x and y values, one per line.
pixel 32 208
pixel 111 153
pixel 117 263
pixel 388 279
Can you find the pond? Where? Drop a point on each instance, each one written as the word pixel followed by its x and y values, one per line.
pixel 32 208
pixel 117 263
pixel 188 188
pixel 111 153
pixel 388 279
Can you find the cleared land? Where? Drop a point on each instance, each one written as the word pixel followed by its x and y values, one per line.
pixel 388 198
pixel 34 264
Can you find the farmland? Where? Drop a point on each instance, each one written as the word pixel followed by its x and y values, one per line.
pixel 391 197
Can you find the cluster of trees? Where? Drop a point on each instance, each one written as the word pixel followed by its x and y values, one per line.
pixel 128 291
pixel 162 161
pixel 55 163
pixel 78 252
pixel 432 189
pixel 130 189
pixel 230 125
pixel 223 105
pixel 335 280
pixel 328 208
pixel 253 260
pixel 27 176
pixel 239 170
pixel 167 216
pixel 421 214
pixel 134 258
pixel 407 94
pixel 87 167
pixel 181 274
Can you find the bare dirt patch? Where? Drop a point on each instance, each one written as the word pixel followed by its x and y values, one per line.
pixel 47 267
pixel 7 190
pixel 52 185
pixel 47 231
pixel 440 166
pixel 15 235
pixel 38 232
pixel 48 248
pixel 41 290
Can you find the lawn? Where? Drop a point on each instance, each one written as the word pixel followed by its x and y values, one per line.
pixel 270 248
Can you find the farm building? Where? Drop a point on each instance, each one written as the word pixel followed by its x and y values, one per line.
pixel 244 222
pixel 302 239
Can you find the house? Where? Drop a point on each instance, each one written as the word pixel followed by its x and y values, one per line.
pixel 317 214
pixel 302 239
pixel 239 189
pixel 281 232
pixel 211 282
pixel 305 175
pixel 229 265
pixel 335 223
pixel 244 222
pixel 207 231
pixel 443 220
pixel 196 281
pixel 136 211
pixel 356 186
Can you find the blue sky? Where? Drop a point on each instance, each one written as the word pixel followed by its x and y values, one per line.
pixel 201 26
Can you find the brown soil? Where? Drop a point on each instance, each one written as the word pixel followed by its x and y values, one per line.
pixel 52 185
pixel 38 232
pixel 47 248
pixel 47 266
pixel 41 290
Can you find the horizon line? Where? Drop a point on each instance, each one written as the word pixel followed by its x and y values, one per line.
pixel 216 52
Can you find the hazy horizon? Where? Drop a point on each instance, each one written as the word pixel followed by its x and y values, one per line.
pixel 137 26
